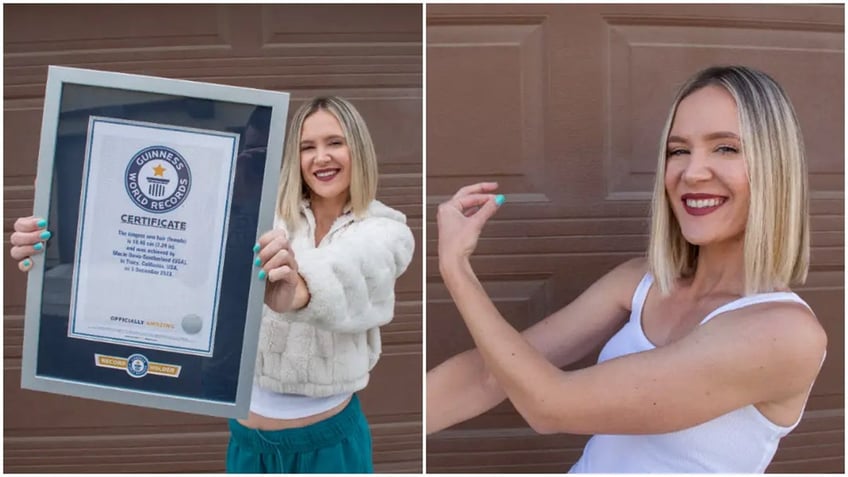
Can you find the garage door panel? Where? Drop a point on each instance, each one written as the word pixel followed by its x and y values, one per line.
pixel 283 26
pixel 808 64
pixel 130 26
pixel 21 142
pixel 368 54
pixel 498 100
pixel 580 204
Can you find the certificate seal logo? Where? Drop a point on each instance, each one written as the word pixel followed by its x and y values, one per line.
pixel 158 179
pixel 192 324
pixel 137 365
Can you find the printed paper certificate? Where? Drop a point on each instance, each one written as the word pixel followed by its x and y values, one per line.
pixel 151 237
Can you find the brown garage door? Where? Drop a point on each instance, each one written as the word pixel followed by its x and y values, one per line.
pixel 563 105
pixel 371 55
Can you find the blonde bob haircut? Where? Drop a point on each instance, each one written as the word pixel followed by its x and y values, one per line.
pixel 363 160
pixel 777 235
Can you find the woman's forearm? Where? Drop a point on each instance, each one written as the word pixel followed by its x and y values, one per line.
pixel 459 389
pixel 524 374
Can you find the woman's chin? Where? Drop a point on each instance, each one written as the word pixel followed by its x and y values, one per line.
pixel 324 194
pixel 709 239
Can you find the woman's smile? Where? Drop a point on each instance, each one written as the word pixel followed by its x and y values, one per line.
pixel 702 204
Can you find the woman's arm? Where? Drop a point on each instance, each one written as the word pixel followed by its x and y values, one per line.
pixel 562 338
pixel 351 280
pixel 753 355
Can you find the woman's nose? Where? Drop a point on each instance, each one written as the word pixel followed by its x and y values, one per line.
pixel 322 156
pixel 698 168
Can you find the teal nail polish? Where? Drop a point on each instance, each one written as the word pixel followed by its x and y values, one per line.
pixel 45 235
pixel 262 274
pixel 257 262
pixel 500 199
pixel 27 263
pixel 256 248
pixel 38 246
pixel 42 223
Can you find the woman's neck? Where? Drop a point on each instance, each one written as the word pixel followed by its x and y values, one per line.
pixel 721 269
pixel 326 211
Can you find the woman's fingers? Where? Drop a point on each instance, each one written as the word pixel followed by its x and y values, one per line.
pixel 283 274
pixel 28 240
pixel 270 236
pixel 19 239
pixel 486 211
pixel 468 204
pixel 478 188
pixel 275 256
pixel 25 264
pixel 269 244
pixel 273 247
pixel 29 224
pixel 24 251
pixel 283 258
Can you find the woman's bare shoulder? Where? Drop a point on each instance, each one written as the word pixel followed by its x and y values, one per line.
pixel 620 283
pixel 785 333
pixel 635 267
pixel 790 320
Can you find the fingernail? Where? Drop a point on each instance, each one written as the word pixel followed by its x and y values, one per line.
pixel 262 274
pixel 42 223
pixel 38 246
pixel 45 235
pixel 257 262
pixel 500 199
pixel 256 248
pixel 27 263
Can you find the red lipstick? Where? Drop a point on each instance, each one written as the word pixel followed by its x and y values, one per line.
pixel 702 204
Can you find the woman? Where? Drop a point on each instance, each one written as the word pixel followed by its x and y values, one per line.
pixel 709 358
pixel 330 263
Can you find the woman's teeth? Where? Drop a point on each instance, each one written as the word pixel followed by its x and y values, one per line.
pixel 325 174
pixel 703 203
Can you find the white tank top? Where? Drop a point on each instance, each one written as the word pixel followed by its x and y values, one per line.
pixel 741 441
pixel 291 406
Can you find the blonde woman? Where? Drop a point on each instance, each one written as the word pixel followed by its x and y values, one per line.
pixel 331 263
pixel 709 357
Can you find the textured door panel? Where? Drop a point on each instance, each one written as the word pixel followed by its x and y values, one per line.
pixel 372 55
pixel 563 105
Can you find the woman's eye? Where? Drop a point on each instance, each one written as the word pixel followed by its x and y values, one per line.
pixel 306 148
pixel 676 152
pixel 726 150
pixel 336 143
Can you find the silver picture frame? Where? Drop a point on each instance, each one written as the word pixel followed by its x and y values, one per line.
pixel 215 383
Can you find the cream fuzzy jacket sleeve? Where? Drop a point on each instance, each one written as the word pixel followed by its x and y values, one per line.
pixel 330 346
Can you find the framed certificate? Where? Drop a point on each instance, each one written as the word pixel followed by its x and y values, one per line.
pixel 155 191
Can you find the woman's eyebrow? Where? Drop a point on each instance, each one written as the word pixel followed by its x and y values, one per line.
pixel 708 137
pixel 722 135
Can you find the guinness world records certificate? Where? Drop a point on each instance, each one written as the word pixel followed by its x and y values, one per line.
pixel 151 195
pixel 155 191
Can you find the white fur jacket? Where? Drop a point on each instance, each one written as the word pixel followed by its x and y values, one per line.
pixel 330 346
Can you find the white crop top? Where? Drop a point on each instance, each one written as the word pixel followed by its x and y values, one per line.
pixel 291 406
pixel 741 441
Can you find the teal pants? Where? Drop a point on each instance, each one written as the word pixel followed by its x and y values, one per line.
pixel 338 445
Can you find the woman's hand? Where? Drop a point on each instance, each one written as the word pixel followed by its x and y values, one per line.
pixel 286 289
pixel 461 219
pixel 27 240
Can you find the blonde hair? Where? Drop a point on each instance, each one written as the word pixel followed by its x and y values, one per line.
pixel 777 234
pixel 363 159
